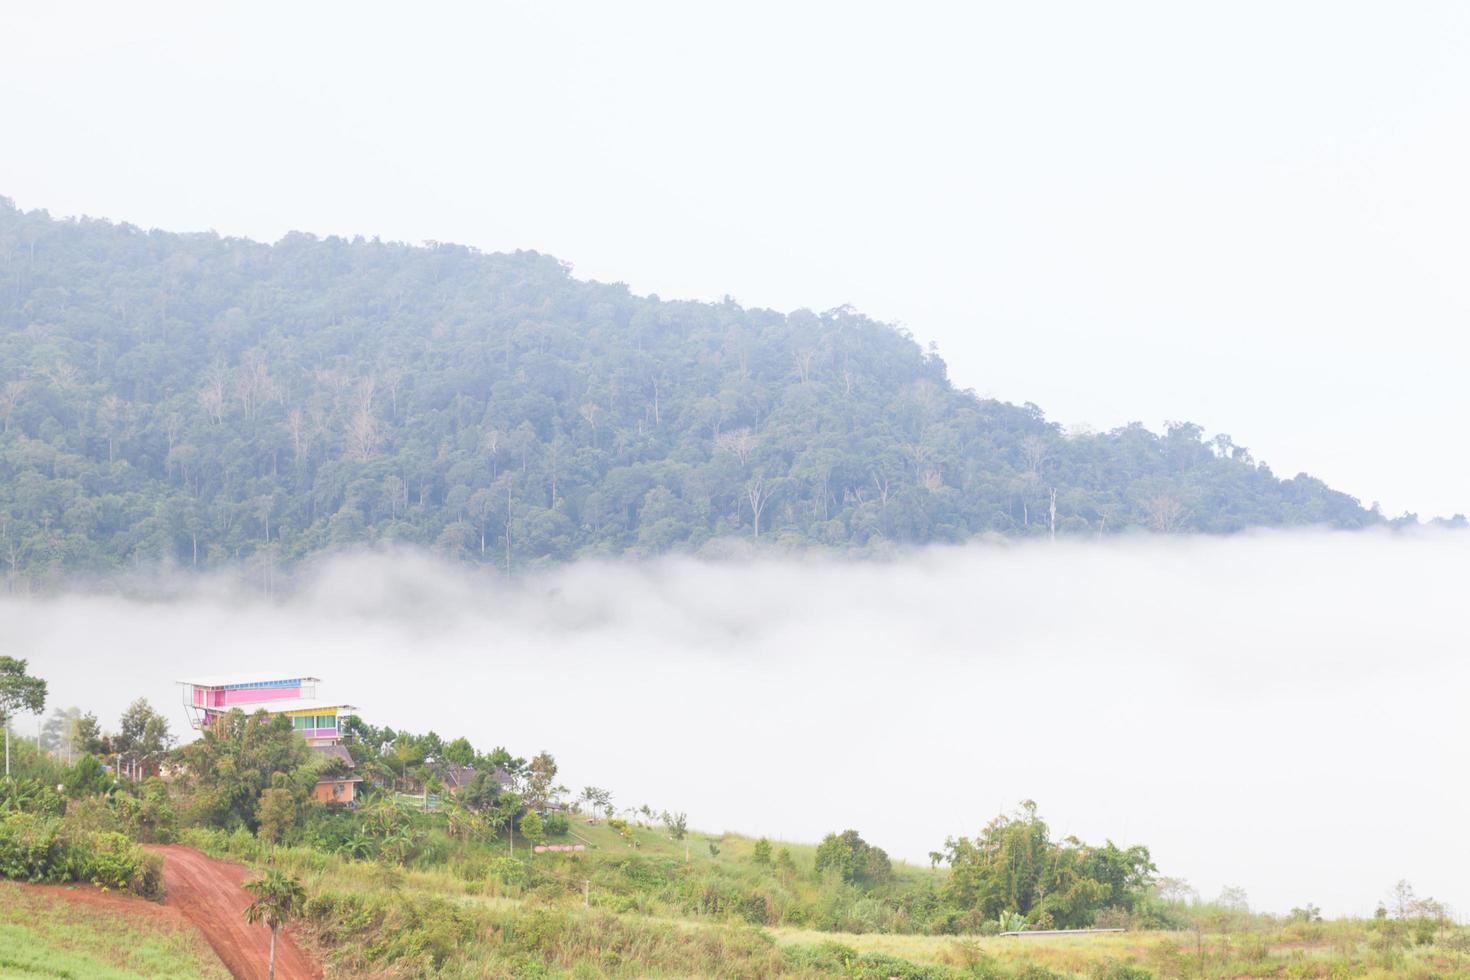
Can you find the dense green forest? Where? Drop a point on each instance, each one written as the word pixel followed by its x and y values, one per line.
pixel 196 400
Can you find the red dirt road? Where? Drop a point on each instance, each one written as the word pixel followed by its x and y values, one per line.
pixel 209 894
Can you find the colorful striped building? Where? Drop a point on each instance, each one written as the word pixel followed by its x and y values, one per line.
pixel 315 720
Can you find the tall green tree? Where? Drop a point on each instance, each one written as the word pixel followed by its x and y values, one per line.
pixel 1014 868
pixel 19 691
pixel 853 859
pixel 143 739
pixel 232 763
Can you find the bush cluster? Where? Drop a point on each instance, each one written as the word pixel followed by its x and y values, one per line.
pixel 39 848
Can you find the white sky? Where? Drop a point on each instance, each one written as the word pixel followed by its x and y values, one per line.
pixel 1249 215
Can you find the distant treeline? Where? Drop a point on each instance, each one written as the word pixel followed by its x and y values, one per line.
pixel 199 400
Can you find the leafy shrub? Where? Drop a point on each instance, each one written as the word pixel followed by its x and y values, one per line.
pixel 35 848
pixel 31 795
pixel 752 909
pixel 644 873
pixel 557 825
pixel 510 871
pixel 533 828
pixel 87 778
pixel 113 861
pixel 1035 971
pixel 835 959
pixel 853 859
pixel 92 814
pixel 31 848
pixel 149 816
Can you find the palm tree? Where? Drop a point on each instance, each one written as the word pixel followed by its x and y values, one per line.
pixel 357 845
pixel 278 898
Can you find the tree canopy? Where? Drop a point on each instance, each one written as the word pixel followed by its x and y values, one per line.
pixel 1014 868
pixel 197 400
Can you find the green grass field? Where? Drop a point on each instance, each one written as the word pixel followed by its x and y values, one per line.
pixel 43 934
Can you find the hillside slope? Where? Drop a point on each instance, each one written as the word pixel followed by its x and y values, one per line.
pixel 197 399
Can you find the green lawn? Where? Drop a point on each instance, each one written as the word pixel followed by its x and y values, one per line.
pixel 45 935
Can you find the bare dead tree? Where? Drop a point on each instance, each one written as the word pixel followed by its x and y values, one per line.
pixel 253 385
pixel 212 395
pixel 393 381
pixel 362 435
pixel 110 416
pixel 739 443
pixel 881 484
pixel 491 442
pixel 591 413
pixel 10 397
pixel 1163 514
pixel 758 492
pixel 263 506
pixel 367 392
pixel 394 491
pixel 63 375
pixel 1034 454
pixel 803 360
pixel 173 426
pixel 301 432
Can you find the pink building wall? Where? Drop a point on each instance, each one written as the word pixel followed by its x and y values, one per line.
pixel 253 694
pixel 205 697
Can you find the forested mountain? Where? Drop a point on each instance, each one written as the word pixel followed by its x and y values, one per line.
pixel 195 400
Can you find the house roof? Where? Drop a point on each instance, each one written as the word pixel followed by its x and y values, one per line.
pixel 458 777
pixel 337 753
pixel 239 680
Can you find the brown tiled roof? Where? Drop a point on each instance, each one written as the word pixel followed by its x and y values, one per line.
pixel 332 753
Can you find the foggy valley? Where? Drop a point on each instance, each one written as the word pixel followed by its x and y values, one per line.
pixel 1289 697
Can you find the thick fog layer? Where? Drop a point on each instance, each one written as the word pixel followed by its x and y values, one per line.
pixel 1281 712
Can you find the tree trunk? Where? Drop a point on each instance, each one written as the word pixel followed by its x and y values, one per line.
pixel 271 975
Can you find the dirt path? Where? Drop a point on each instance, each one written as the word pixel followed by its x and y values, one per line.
pixel 209 894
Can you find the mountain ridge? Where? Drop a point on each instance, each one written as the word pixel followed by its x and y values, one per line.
pixel 204 399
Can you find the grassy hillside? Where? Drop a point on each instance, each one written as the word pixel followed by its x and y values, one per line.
pixel 198 400
pixel 45 934
pixel 367 920
pixel 458 893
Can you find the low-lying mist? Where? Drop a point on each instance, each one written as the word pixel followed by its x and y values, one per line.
pixel 1282 712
